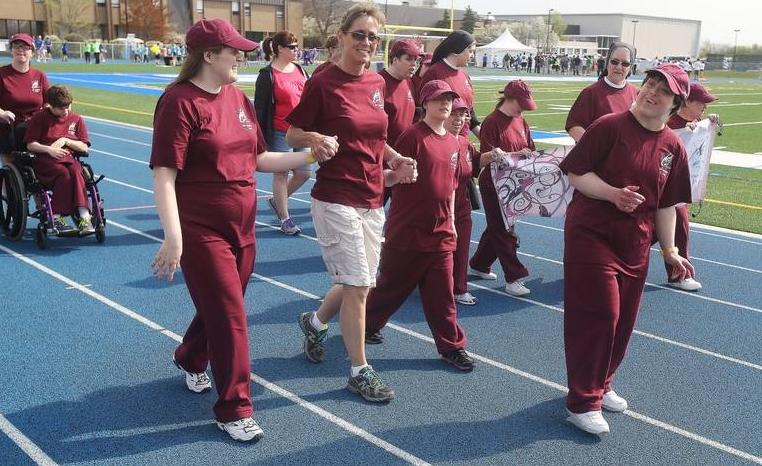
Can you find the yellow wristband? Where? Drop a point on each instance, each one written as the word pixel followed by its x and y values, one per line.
pixel 665 251
pixel 310 158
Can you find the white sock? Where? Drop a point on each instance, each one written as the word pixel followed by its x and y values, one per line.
pixel 84 213
pixel 356 369
pixel 315 322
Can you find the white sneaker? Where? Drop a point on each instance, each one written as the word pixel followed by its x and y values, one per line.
pixel 688 284
pixel 466 298
pixel 243 430
pixel 484 275
pixel 591 422
pixel 196 382
pixel 613 402
pixel 516 288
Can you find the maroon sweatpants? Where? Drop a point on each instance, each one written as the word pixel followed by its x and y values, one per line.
pixel 217 274
pixel 496 242
pixel 681 236
pixel 463 226
pixel 601 306
pixel 401 272
pixel 64 177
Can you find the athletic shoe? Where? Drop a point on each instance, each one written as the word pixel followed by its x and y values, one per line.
pixel 613 402
pixel 460 359
pixel 313 338
pixel 288 227
pixel 271 203
pixel 196 382
pixel 243 430
pixel 688 284
pixel 591 422
pixel 516 289
pixel 368 384
pixel 466 298
pixel 62 227
pixel 373 337
pixel 85 226
pixel 485 275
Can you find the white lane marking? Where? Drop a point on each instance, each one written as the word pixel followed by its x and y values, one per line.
pixel 743 124
pixel 119 139
pixel 27 446
pixel 87 285
pixel 122 183
pixel 124 433
pixel 351 428
pixel 119 124
pixel 111 154
pixel 123 209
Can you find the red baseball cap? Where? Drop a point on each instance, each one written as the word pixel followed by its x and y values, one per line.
pixel 25 38
pixel 209 33
pixel 427 58
pixel 459 103
pixel 522 92
pixel 405 46
pixel 677 79
pixel 435 89
pixel 701 94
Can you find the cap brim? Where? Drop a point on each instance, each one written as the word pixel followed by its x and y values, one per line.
pixel 27 42
pixel 671 82
pixel 243 44
pixel 526 103
pixel 439 93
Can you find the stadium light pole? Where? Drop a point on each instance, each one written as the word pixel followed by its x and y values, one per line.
pixel 735 48
pixel 634 28
pixel 547 36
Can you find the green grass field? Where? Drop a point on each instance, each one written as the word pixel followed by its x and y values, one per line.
pixel 740 107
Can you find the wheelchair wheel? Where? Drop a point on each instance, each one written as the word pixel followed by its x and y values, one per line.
pixel 13 206
pixel 41 236
pixel 100 236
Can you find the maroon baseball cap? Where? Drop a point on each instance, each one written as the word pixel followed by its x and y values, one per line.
pixel 209 33
pixel 427 58
pixel 25 38
pixel 522 92
pixel 701 94
pixel 459 103
pixel 405 46
pixel 435 89
pixel 677 79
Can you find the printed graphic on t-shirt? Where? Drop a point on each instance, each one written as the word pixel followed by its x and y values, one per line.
pixel 666 164
pixel 377 100
pixel 409 96
pixel 72 130
pixel 244 120
pixel 454 160
pixel 36 88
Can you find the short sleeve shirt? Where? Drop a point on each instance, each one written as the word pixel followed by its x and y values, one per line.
pixel 458 80
pixel 419 216
pixel 597 100
pixel 21 93
pixel 46 128
pixel 213 141
pixel 466 154
pixel 623 153
pixel 677 122
pixel 398 105
pixel 287 90
pixel 510 134
pixel 335 103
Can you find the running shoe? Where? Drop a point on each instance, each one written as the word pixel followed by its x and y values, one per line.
pixel 516 288
pixel 288 227
pixel 466 298
pixel 613 402
pixel 62 227
pixel 196 382
pixel 591 422
pixel 85 226
pixel 373 337
pixel 243 430
pixel 313 338
pixel 460 359
pixel 368 384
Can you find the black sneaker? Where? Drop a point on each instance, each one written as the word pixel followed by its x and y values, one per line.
pixel 313 338
pixel 373 337
pixel 460 359
pixel 368 384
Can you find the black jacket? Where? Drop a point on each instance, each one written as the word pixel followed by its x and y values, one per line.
pixel 264 99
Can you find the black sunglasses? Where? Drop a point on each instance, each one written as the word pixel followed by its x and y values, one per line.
pixel 360 36
pixel 616 62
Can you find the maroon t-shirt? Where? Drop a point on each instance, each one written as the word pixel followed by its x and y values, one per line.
pixel 21 93
pixel 335 103
pixel 458 80
pixel 415 84
pixel 398 105
pixel 623 153
pixel 597 100
pixel 510 134
pixel 466 154
pixel 322 67
pixel 46 128
pixel 213 141
pixel 677 122
pixel 420 217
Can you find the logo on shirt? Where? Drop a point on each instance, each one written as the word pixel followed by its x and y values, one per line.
pixel 454 160
pixel 244 120
pixel 36 88
pixel 72 130
pixel 377 100
pixel 666 164
pixel 409 96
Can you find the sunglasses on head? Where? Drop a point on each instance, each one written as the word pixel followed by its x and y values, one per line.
pixel 360 36
pixel 616 62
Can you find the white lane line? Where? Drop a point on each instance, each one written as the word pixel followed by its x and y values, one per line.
pixel 111 154
pixel 743 124
pixel 122 183
pixel 27 446
pixel 125 433
pixel 349 427
pixel 86 285
pixel 119 139
pixel 119 124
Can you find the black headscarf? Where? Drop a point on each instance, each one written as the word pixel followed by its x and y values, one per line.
pixel 613 48
pixel 456 42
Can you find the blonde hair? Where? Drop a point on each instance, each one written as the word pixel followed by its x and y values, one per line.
pixel 359 10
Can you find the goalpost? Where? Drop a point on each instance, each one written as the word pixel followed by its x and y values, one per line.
pixel 427 42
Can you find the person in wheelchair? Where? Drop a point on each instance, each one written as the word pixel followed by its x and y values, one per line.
pixel 54 134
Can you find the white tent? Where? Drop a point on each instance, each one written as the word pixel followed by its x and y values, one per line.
pixel 505 43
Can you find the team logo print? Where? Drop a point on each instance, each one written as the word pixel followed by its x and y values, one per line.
pixel 377 100
pixel 244 120
pixel 409 95
pixel 469 158
pixel 36 88
pixel 666 164
pixel 72 130
pixel 454 160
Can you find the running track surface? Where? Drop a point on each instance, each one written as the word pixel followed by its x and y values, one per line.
pixel 88 335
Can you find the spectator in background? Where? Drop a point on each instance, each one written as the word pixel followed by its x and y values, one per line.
pixel 334 53
pixel 38 48
pixel 65 51
pixel 47 45
pixel 484 60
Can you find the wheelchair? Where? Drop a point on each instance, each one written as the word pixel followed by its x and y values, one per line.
pixel 18 183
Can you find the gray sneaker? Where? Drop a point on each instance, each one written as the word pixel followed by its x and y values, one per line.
pixel 288 227
pixel 313 338
pixel 368 384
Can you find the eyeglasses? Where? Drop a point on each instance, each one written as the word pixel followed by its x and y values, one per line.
pixel 291 46
pixel 615 62
pixel 18 46
pixel 360 36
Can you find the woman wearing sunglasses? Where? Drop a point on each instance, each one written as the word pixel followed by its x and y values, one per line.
pixel 279 89
pixel 342 112
pixel 610 94
pixel 23 91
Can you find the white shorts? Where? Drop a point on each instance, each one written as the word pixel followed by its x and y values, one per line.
pixel 350 240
